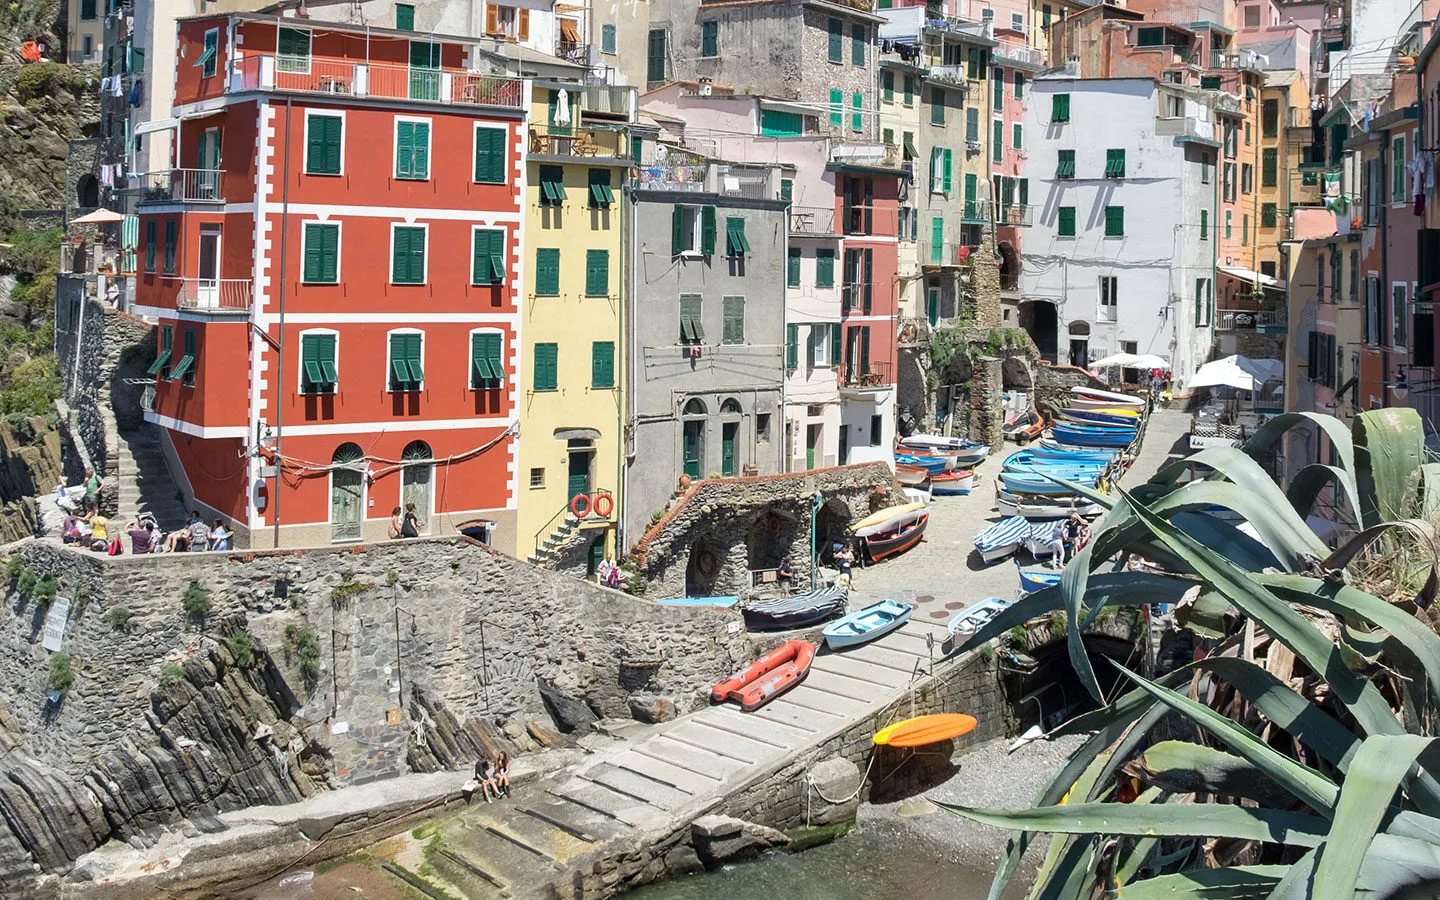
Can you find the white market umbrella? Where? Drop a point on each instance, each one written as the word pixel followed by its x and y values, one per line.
pixel 1150 361
pixel 98 217
pixel 562 109
pixel 1124 360
pixel 1240 372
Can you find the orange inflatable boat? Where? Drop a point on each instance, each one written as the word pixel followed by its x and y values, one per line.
pixel 767 677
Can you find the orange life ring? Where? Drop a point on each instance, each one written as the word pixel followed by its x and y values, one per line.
pixel 775 525
pixel 603 505
pixel 580 505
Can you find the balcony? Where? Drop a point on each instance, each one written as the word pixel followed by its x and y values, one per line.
pixel 216 295
pixel 813 221
pixel 578 143
pixel 1260 321
pixel 869 378
pixel 573 51
pixel 180 186
pixel 1013 214
pixel 1017 54
pixel 1186 128
pixel 945 255
pixel 263 72
pixel 914 331
pixel 1248 61
pixel 953 75
pixel 616 100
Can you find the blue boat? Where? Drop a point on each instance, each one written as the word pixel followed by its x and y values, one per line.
pixel 1059 452
pixel 1002 539
pixel 700 601
pixel 1093 435
pixel 1054 466
pixel 1098 417
pixel 1030 582
pixel 866 624
pixel 1036 483
pixel 932 464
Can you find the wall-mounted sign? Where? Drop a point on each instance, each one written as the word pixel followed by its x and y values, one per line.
pixel 55 621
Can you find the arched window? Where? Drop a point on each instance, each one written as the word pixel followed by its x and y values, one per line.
pixel 696 407
pixel 731 407
pixel 692 437
pixel 347 493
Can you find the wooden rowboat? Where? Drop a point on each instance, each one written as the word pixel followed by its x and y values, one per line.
pixel 867 624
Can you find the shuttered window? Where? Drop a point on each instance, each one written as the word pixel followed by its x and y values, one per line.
pixel 691 331
pixel 792 268
pixel 1114 221
pixel 547 272
pixel 322 254
pixel 710 39
pixel 1115 163
pixel 150 245
pixel 404 17
pixel 655 61
pixel 487 369
pixel 552 185
pixel 407 256
pixel 1204 224
pixel 735 241
pixel 837 107
pixel 547 364
pixel 1268 215
pixel 406 373
pixel 1065 165
pixel 733 331
pixel 601 196
pixel 859 37
pixel 937 106
pixel 707 230
pixel 487 256
pixel 1269 167
pixel 792 346
pixel 293 50
pixel 318 372
pixel 1059 108
pixel 972 124
pixel 602 364
pixel 1066 221
pixel 161 365
pixel 170 228
pixel 824 268
pixel 412 150
pixel 597 273
pixel 490 155
pixel 185 368
pixel 836 50
pixel 323 135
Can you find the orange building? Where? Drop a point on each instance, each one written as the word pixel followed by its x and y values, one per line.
pixel 334 265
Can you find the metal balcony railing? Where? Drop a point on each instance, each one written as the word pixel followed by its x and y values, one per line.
pixel 1013 213
pixel 262 71
pixel 574 52
pixel 215 294
pixel 1018 54
pixel 577 141
pixel 955 75
pixel 869 376
pixel 1250 320
pixel 180 186
pixel 946 254
pixel 1246 60
pixel 812 220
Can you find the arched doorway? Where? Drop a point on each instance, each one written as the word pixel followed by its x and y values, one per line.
pixel 416 480
pixel 87 192
pixel 1039 319
pixel 692 437
pixel 831 523
pixel 1080 344
pixel 770 538
pixel 1009 265
pixel 702 573
pixel 1015 375
pixel 729 436
pixel 347 493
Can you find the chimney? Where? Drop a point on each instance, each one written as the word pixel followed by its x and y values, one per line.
pixel 705 87
pixel 1072 66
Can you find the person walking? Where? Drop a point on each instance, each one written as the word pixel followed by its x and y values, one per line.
pixel 786 575
pixel 411 526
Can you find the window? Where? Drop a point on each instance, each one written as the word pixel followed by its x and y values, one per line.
pixel 547 363
pixel 1204 224
pixel 1045 15
pixel 597 273
pixel 1114 221
pixel 941 170
pixel 762 428
pixel 1115 163
pixel 1268 215
pixel 792 268
pixel 1399 315
pixel 859 35
pixel 877 430
pixel 487 254
pixel 487 368
pixel 1270 118
pixel 1269 166
pixel 206 63
pixel 1373 315
pixel 911 89
pixel 692 230
pixel 887 86
pixel 709 39
pixel 161 365
pixel 837 107
pixel 607 38
pixel 601 196
pixel 506 22
pixel 1149 37
pixel 733 330
pixel 1065 165
pixel 1397 169
pixel 1109 288
pixel 1247 177
pixel 887 136
pixel 972 124
pixel 171 225
pixel 318 371
pixel 537 478
pixel 1245 228
pixel 602 365
pixel 1017 23
pixel 547 272
pixel 320 252
pixel 937 106
pixel 824 345
pixel 1267 269
pixel 1202 301
pixel 407 254
pixel 87 10
pixel 1247 129
pixel 997 88
pixel 490 155
pixel 1229 185
pixel 552 185
pixel 691 331
pixel 997 139
pixel 404 17
pixel 857 118
pixel 185 368
pixel 655 61
pixel 1205 168
pixel 836 50
pixel 857 209
pixel 1228 223
pixel 1016 136
pixel 150 245
pixel 735 241
pixel 323 144
pixel 1231 148
pixel 406 372
pixel 792 346
pixel 1066 221
pixel 292 53
pixel 824 268
pixel 1059 108
pixel 1019 85
pixel 412 149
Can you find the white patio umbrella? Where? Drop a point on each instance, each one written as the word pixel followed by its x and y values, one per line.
pixel 562 108
pixel 1240 372
pixel 98 217
pixel 1124 360
pixel 1150 361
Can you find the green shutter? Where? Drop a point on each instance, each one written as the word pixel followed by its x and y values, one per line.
pixel 857 119
pixel 412 150
pixel 824 268
pixel 972 124
pixel 887 86
pixel 547 272
pixel 792 346
pixel 735 242
pixel 1115 163
pixel 602 364
pixel 1267 215
pixel 150 245
pixel 597 273
pixel 490 155
pixel 487 368
pixel 1065 164
pixel 293 50
pixel 710 39
pixel 1268 167
pixel 837 107
pixel 1204 224
pixel 837 40
pixel 407 262
pixel 404 17
pixel 317 363
pixel 1017 135
pixel 322 150
pixel 707 230
pixel 858 39
pixel 600 194
pixel 733 330
pixel 834 344
pixel 488 257
pixel 1114 221
pixel 997 140
pixel 322 250
pixel 552 185
pixel 787 189
pixel 170 228
pixel 792 270
pixel 691 331
pixel 1067 221
pixel 946 167
pixel 655 62
pixel 937 106
pixel 1060 108
pixel 406 373
pixel 547 364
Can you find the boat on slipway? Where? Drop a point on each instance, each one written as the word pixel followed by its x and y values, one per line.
pixel 1093 435
pixel 767 677
pixel 955 483
pixel 1002 539
pixel 861 626
pixel 799 611
pixel 887 519
pixel 1094 398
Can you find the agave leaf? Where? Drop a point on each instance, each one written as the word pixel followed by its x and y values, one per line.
pixel 1233 883
pixel 1307 484
pixel 1128 865
pixel 1389 447
pixel 1392 866
pixel 1058 871
pixel 1205 615
pixel 1272 431
pixel 1303 782
pixel 1139 733
pixel 1383 761
pixel 1429 492
pixel 1189 820
pixel 1347 551
pixel 1185 768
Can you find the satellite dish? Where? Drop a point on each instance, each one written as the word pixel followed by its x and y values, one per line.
pixel 660 151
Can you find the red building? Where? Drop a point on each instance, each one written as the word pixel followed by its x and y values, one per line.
pixel 334 266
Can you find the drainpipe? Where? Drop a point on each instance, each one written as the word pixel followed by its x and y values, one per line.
pixel 625 442
pixel 625 377
pixel 280 346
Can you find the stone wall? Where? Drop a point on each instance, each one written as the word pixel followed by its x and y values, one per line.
pixel 721 528
pixel 29 466
pixel 163 721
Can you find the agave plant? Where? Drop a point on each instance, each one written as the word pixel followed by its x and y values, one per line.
pixel 1294 758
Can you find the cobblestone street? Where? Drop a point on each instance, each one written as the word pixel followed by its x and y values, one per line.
pixel 944 574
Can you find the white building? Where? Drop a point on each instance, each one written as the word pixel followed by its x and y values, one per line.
pixel 1122 174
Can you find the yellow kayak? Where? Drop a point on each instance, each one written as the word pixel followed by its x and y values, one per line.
pixel 923 730
pixel 885 515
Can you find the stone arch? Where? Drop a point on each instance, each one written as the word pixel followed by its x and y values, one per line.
pixel 731 407
pixel 87 192
pixel 831 524
pixel 771 536
pixel 705 566
pixel 1043 685
pixel 1079 328
pixel 1009 265
pixel 1015 375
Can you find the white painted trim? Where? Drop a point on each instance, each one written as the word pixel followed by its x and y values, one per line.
pixel 425 275
pixel 475 148
pixel 404 425
pixel 504 252
pixel 397 317
pixel 389 361
pixel 300 368
pixel 482 217
pixel 305 143
pixel 339 245
pixel 395 146
pixel 214 60
pixel 470 363
pixel 173 424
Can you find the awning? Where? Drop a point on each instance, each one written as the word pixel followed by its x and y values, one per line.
pixel 99 217
pixel 1251 276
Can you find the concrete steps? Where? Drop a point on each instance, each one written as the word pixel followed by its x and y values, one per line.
pixel 544 555
pixel 145 485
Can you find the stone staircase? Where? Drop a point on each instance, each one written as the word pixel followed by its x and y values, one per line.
pixel 547 555
pixel 144 481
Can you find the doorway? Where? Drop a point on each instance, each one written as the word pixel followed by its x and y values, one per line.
pixel 1079 352
pixel 729 431
pixel 347 493
pixel 692 437
pixel 415 482
pixel 596 554
pixel 207 160
pixel 207 283
pixel 424 70
pixel 577 480
pixel 812 445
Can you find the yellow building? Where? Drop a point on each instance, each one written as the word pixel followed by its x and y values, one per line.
pixel 85 32
pixel 1284 133
pixel 572 392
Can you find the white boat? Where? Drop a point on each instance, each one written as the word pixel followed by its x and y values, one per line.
pixel 1094 398
pixel 935 442
pixel 917 495
pixel 1002 539
pixel 971 618
pixel 1039 509
pixel 890 519
pixel 1041 540
pixel 969 457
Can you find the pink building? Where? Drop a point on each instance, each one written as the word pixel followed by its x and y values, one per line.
pixel 1014 64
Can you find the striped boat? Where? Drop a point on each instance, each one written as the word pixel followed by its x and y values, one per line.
pixel 1102 416
pixel 1002 539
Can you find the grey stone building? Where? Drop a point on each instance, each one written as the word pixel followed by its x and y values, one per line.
pixel 706 328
